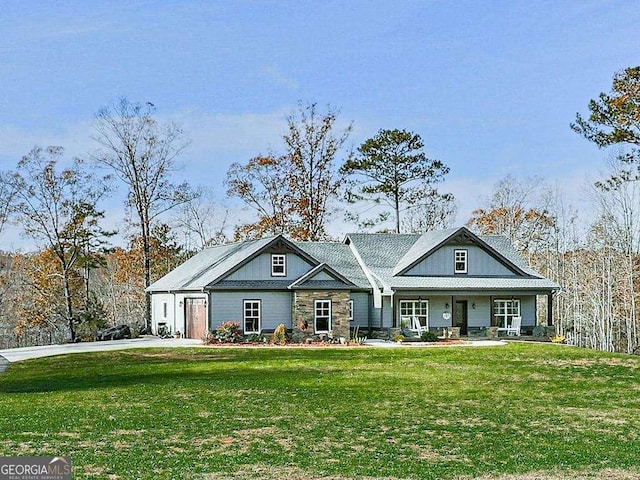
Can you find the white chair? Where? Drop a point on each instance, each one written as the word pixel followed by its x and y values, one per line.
pixel 514 328
pixel 417 326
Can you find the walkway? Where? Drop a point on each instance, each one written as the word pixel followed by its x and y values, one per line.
pixel 26 353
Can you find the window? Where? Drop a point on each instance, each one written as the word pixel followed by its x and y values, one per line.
pixel 460 259
pixel 351 310
pixel 412 311
pixel 278 265
pixel 322 316
pixel 252 313
pixel 504 311
pixel 165 310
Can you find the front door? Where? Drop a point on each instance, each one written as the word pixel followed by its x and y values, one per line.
pixel 195 311
pixel 460 318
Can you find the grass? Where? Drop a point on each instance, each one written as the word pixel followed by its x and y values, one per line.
pixel 522 411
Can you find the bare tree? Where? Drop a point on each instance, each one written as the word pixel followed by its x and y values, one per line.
pixel 142 153
pixel 58 208
pixel 291 192
pixel 517 209
pixel 203 221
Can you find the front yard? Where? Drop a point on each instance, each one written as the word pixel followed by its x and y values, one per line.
pixel 530 411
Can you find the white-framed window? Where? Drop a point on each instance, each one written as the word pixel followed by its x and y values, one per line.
pixel 252 313
pixel 351 310
pixel 278 265
pixel 322 316
pixel 504 310
pixel 412 311
pixel 460 261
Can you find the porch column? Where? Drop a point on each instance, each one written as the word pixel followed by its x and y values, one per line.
pixel 550 309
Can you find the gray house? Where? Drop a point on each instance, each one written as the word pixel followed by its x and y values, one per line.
pixel 443 279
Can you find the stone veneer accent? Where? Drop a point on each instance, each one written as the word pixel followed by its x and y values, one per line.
pixel 303 311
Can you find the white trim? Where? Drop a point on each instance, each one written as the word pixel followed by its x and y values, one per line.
pixel 464 259
pixel 377 295
pixel 412 317
pixel 244 315
pixel 505 316
pixel 315 316
pixel 279 256
pixel 351 309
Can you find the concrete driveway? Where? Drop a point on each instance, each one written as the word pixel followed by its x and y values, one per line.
pixel 26 353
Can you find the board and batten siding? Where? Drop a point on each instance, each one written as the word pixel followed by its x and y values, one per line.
pixel 228 306
pixel 162 303
pixel 441 262
pixel 260 268
pixel 360 309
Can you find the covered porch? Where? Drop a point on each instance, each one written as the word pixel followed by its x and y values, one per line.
pixel 472 314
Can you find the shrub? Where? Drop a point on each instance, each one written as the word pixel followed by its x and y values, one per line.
pixel 428 336
pixel 255 338
pixel 280 335
pixel 208 339
pixel 228 332
pixel 398 337
pixel 557 338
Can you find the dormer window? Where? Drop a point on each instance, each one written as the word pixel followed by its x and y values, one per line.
pixel 460 261
pixel 278 265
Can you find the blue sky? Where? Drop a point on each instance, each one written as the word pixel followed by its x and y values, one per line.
pixel 491 86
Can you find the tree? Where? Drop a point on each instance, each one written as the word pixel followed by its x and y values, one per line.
pixel 58 208
pixel 614 119
pixel 436 211
pixel 313 142
pixel 203 221
pixel 7 193
pixel 517 210
pixel 392 168
pixel 142 154
pixel 291 192
pixel 263 184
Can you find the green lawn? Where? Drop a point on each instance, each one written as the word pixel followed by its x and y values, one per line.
pixel 438 413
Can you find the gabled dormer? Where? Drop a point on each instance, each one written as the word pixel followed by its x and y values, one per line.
pixel 278 260
pixel 321 277
pixel 458 252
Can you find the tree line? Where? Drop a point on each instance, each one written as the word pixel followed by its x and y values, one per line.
pixel 77 282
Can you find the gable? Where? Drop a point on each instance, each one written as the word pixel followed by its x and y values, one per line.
pixel 479 263
pixel 463 239
pixel 322 277
pixel 259 267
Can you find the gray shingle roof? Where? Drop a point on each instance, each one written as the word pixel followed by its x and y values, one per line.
pixel 339 257
pixel 384 255
pixel 207 266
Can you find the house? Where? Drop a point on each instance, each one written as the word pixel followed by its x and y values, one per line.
pixel 441 279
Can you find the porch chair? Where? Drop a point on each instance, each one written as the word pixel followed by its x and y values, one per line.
pixel 514 328
pixel 417 326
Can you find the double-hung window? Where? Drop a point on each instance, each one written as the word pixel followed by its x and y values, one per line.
pixel 460 261
pixel 322 316
pixel 504 311
pixel 252 316
pixel 278 265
